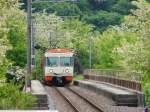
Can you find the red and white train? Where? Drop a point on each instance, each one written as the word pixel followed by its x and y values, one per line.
pixel 58 66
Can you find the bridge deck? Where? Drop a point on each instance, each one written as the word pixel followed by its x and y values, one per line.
pixel 121 96
pixel 109 88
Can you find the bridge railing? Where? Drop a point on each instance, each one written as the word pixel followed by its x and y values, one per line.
pixel 131 80
pixel 120 74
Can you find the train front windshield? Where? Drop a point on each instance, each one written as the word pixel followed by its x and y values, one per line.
pixel 66 61
pixel 56 61
pixel 52 61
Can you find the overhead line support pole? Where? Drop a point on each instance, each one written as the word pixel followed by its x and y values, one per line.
pixel 29 35
pixel 90 53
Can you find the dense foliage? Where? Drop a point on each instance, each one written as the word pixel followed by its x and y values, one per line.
pixel 119 47
pixel 12 98
pixel 100 13
pixel 12 51
pixel 127 46
pixel 17 34
pixel 12 35
pixel 4 43
pixel 108 44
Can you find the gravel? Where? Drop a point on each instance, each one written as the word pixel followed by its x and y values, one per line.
pixel 105 103
pixel 57 102
pixel 81 104
pixel 100 100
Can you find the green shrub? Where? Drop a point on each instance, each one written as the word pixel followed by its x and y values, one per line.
pixel 12 98
pixel 78 77
pixel 147 93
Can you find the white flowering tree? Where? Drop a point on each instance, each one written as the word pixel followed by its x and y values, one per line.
pixel 136 55
pixel 12 35
pixel 4 43
pixel 47 31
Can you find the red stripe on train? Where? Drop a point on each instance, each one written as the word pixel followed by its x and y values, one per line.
pixel 48 78
pixel 69 78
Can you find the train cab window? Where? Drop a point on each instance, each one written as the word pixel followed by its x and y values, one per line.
pixel 52 61
pixel 66 61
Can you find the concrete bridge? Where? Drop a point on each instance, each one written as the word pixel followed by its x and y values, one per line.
pixel 126 92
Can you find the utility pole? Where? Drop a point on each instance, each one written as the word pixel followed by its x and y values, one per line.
pixel 90 53
pixel 33 47
pixel 29 17
pixel 29 40
pixel 50 40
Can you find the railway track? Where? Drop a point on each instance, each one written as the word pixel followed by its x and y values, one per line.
pixel 87 99
pixel 76 99
pixel 78 102
pixel 72 105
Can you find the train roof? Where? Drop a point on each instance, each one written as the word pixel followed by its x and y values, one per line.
pixel 59 50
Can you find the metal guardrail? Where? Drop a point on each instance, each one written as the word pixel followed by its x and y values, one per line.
pixel 118 74
pixel 131 80
pixel 120 82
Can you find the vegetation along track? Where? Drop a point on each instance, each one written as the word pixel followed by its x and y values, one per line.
pixel 77 101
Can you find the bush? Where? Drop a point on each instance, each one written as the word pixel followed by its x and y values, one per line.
pixel 147 93
pixel 12 98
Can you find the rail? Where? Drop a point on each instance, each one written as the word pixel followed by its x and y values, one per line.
pixel 87 100
pixel 74 107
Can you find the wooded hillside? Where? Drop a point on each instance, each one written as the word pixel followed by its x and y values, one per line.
pixel 100 13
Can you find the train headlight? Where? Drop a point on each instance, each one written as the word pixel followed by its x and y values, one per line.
pixel 51 70
pixel 67 70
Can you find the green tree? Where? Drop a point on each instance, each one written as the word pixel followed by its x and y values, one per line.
pixel 139 24
pixel 16 23
pixel 107 44
pixel 134 55
pixel 48 33
pixel 12 35
pixel 123 7
pixel 91 11
pixel 4 43
pixel 128 44
pixel 102 19
pixel 78 35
